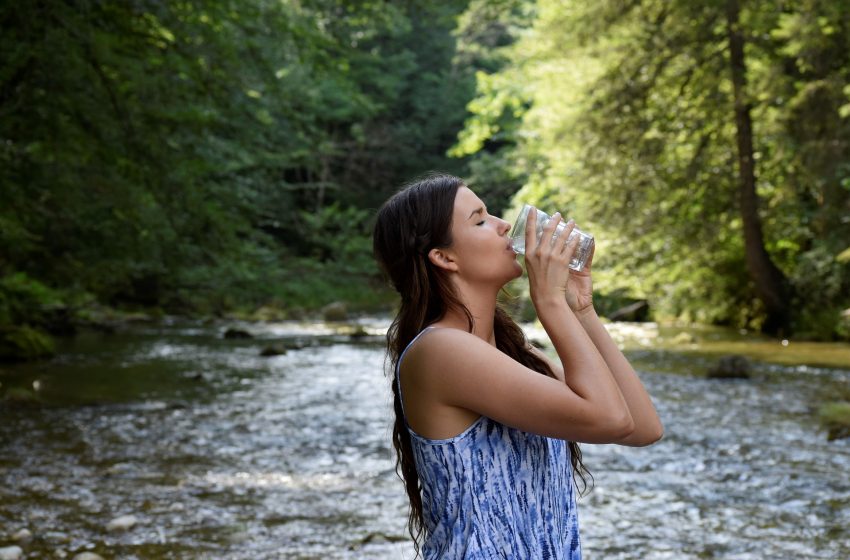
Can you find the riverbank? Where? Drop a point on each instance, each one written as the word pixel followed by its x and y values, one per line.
pixel 33 316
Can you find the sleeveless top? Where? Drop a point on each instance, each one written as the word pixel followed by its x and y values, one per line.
pixel 495 492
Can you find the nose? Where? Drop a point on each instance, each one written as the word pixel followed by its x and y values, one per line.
pixel 504 227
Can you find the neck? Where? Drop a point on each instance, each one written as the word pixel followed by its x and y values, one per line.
pixel 481 302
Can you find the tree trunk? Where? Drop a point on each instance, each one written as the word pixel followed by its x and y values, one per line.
pixel 771 285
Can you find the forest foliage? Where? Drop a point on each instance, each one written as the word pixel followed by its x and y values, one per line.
pixel 201 157
pixel 623 114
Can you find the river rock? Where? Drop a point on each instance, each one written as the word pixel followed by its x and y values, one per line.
pixel 123 523
pixel 87 556
pixel 23 535
pixel 336 311
pixel 234 333
pixel 835 417
pixel 353 331
pixel 275 349
pixel 730 367
pixel 358 332
pixel 269 313
pixel 684 338
pixel 380 538
pixel 56 537
pixel 11 553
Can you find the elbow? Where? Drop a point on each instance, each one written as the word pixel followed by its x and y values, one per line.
pixel 622 426
pixel 646 436
pixel 655 431
pixel 655 434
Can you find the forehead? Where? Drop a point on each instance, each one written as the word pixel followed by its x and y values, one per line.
pixel 466 201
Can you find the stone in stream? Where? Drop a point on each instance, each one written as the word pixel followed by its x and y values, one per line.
pixel 23 535
pixel 11 553
pixel 730 367
pixel 234 333
pixel 274 349
pixel 684 338
pixel 353 331
pixel 269 313
pixel 835 417
pixel 336 311
pixel 87 556
pixel 123 523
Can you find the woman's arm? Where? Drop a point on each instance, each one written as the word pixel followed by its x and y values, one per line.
pixel 648 428
pixel 579 296
pixel 451 369
pixel 555 293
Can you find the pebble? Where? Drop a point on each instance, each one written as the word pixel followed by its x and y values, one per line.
pixel 57 536
pixel 11 553
pixel 22 536
pixel 123 523
pixel 87 556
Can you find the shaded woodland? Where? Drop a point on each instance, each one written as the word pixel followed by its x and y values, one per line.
pixel 205 158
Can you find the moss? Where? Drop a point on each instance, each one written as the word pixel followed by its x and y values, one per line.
pixel 20 395
pixel 835 417
pixel 24 343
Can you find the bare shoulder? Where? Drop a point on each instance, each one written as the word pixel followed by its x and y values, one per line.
pixel 441 346
pixel 446 360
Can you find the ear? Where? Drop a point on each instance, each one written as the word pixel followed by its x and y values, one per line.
pixel 443 259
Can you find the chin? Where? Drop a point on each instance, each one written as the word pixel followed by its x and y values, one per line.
pixel 517 271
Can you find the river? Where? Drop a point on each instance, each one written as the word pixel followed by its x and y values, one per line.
pixel 218 453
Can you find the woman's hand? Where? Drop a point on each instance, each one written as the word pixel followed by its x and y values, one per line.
pixel 547 261
pixel 579 291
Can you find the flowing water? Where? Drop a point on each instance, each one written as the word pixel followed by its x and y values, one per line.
pixel 220 453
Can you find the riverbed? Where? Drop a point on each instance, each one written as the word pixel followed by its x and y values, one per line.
pixel 218 452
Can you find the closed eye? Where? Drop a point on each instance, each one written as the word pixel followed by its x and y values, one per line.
pixel 480 211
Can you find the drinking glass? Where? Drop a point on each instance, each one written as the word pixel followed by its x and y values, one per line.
pixel 585 244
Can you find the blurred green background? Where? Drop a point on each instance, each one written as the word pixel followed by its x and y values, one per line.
pixel 226 158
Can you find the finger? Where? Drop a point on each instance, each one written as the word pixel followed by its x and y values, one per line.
pixel 550 231
pixel 570 242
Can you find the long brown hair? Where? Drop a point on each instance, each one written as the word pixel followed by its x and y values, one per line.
pixel 412 222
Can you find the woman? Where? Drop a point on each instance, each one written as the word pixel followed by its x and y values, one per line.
pixel 485 443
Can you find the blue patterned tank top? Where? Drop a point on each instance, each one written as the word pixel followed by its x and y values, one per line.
pixel 495 492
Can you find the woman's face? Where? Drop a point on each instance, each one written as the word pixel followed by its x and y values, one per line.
pixel 480 243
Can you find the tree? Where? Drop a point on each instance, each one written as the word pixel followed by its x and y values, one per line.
pixel 636 124
pixel 770 283
pixel 161 153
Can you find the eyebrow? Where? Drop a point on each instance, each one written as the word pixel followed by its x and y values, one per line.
pixel 476 211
